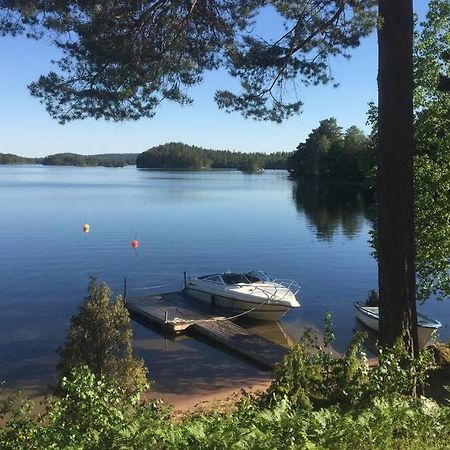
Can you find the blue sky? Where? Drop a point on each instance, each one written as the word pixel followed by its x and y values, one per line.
pixel 27 130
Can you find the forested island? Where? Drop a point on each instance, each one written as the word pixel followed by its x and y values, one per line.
pixel 74 159
pixel 166 156
pixel 176 155
pixel 9 158
pixel 327 153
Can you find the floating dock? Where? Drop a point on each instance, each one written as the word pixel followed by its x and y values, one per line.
pixel 177 314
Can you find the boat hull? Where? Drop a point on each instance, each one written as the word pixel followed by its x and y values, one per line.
pixel 260 311
pixel 369 317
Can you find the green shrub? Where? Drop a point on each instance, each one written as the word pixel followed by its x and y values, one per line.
pixel 316 400
pixel 100 337
pixel 311 376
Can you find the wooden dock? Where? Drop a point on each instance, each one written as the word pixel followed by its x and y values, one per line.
pixel 176 313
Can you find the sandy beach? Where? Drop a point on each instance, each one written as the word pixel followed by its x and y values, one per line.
pixel 189 403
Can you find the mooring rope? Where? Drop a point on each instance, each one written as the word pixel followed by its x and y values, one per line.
pixel 149 287
pixel 220 318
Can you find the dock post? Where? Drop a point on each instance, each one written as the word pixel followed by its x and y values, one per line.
pixel 125 288
pixel 185 282
pixel 166 320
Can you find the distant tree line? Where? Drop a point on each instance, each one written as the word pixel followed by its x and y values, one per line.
pixel 330 153
pixel 73 159
pixel 176 155
pixel 327 153
pixel 9 158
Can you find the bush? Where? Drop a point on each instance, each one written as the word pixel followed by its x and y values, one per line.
pixel 100 338
pixel 315 401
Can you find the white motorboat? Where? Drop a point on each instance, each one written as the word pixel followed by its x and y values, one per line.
pixel 426 326
pixel 253 294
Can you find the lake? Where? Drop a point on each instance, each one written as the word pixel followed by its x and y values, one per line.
pixel 198 222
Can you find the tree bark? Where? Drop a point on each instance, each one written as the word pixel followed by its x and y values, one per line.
pixel 396 249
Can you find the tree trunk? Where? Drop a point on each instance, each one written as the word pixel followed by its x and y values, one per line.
pixel 396 249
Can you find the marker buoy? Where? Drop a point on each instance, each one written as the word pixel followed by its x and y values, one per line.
pixel 86 228
pixel 135 243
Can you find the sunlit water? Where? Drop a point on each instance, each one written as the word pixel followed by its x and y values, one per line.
pixel 198 222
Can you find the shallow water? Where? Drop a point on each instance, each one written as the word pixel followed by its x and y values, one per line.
pixel 198 222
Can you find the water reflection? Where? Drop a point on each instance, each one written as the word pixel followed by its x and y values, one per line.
pixel 271 330
pixel 330 207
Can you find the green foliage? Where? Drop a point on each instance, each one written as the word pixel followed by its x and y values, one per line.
pixel 72 159
pixel 120 60
pixel 181 156
pixel 92 414
pixel 327 153
pixel 371 412
pixel 251 165
pixel 384 425
pixel 319 379
pixel 312 376
pixel 432 158
pixel 174 156
pixel 115 159
pixel 433 224
pixel 20 427
pixel 398 372
pixel 365 408
pixel 432 163
pixel 100 337
pixel 89 412
pixel 9 158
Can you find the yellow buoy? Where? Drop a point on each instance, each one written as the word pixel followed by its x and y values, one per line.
pixel 86 228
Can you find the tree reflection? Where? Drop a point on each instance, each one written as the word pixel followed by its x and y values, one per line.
pixel 330 207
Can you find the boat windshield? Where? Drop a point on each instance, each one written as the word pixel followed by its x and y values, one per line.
pixel 257 276
pixel 246 278
pixel 234 278
pixel 212 278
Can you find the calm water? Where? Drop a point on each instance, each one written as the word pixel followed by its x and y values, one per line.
pixel 198 222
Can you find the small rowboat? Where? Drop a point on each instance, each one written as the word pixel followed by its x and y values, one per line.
pixel 426 326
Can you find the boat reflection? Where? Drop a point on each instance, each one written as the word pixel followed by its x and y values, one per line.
pixel 270 330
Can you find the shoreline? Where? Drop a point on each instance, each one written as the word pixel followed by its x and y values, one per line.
pixel 180 404
pixel 220 398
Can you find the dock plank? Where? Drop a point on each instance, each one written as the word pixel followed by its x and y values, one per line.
pixel 183 313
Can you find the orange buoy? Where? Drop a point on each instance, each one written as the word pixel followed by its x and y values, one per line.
pixel 135 243
pixel 86 228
